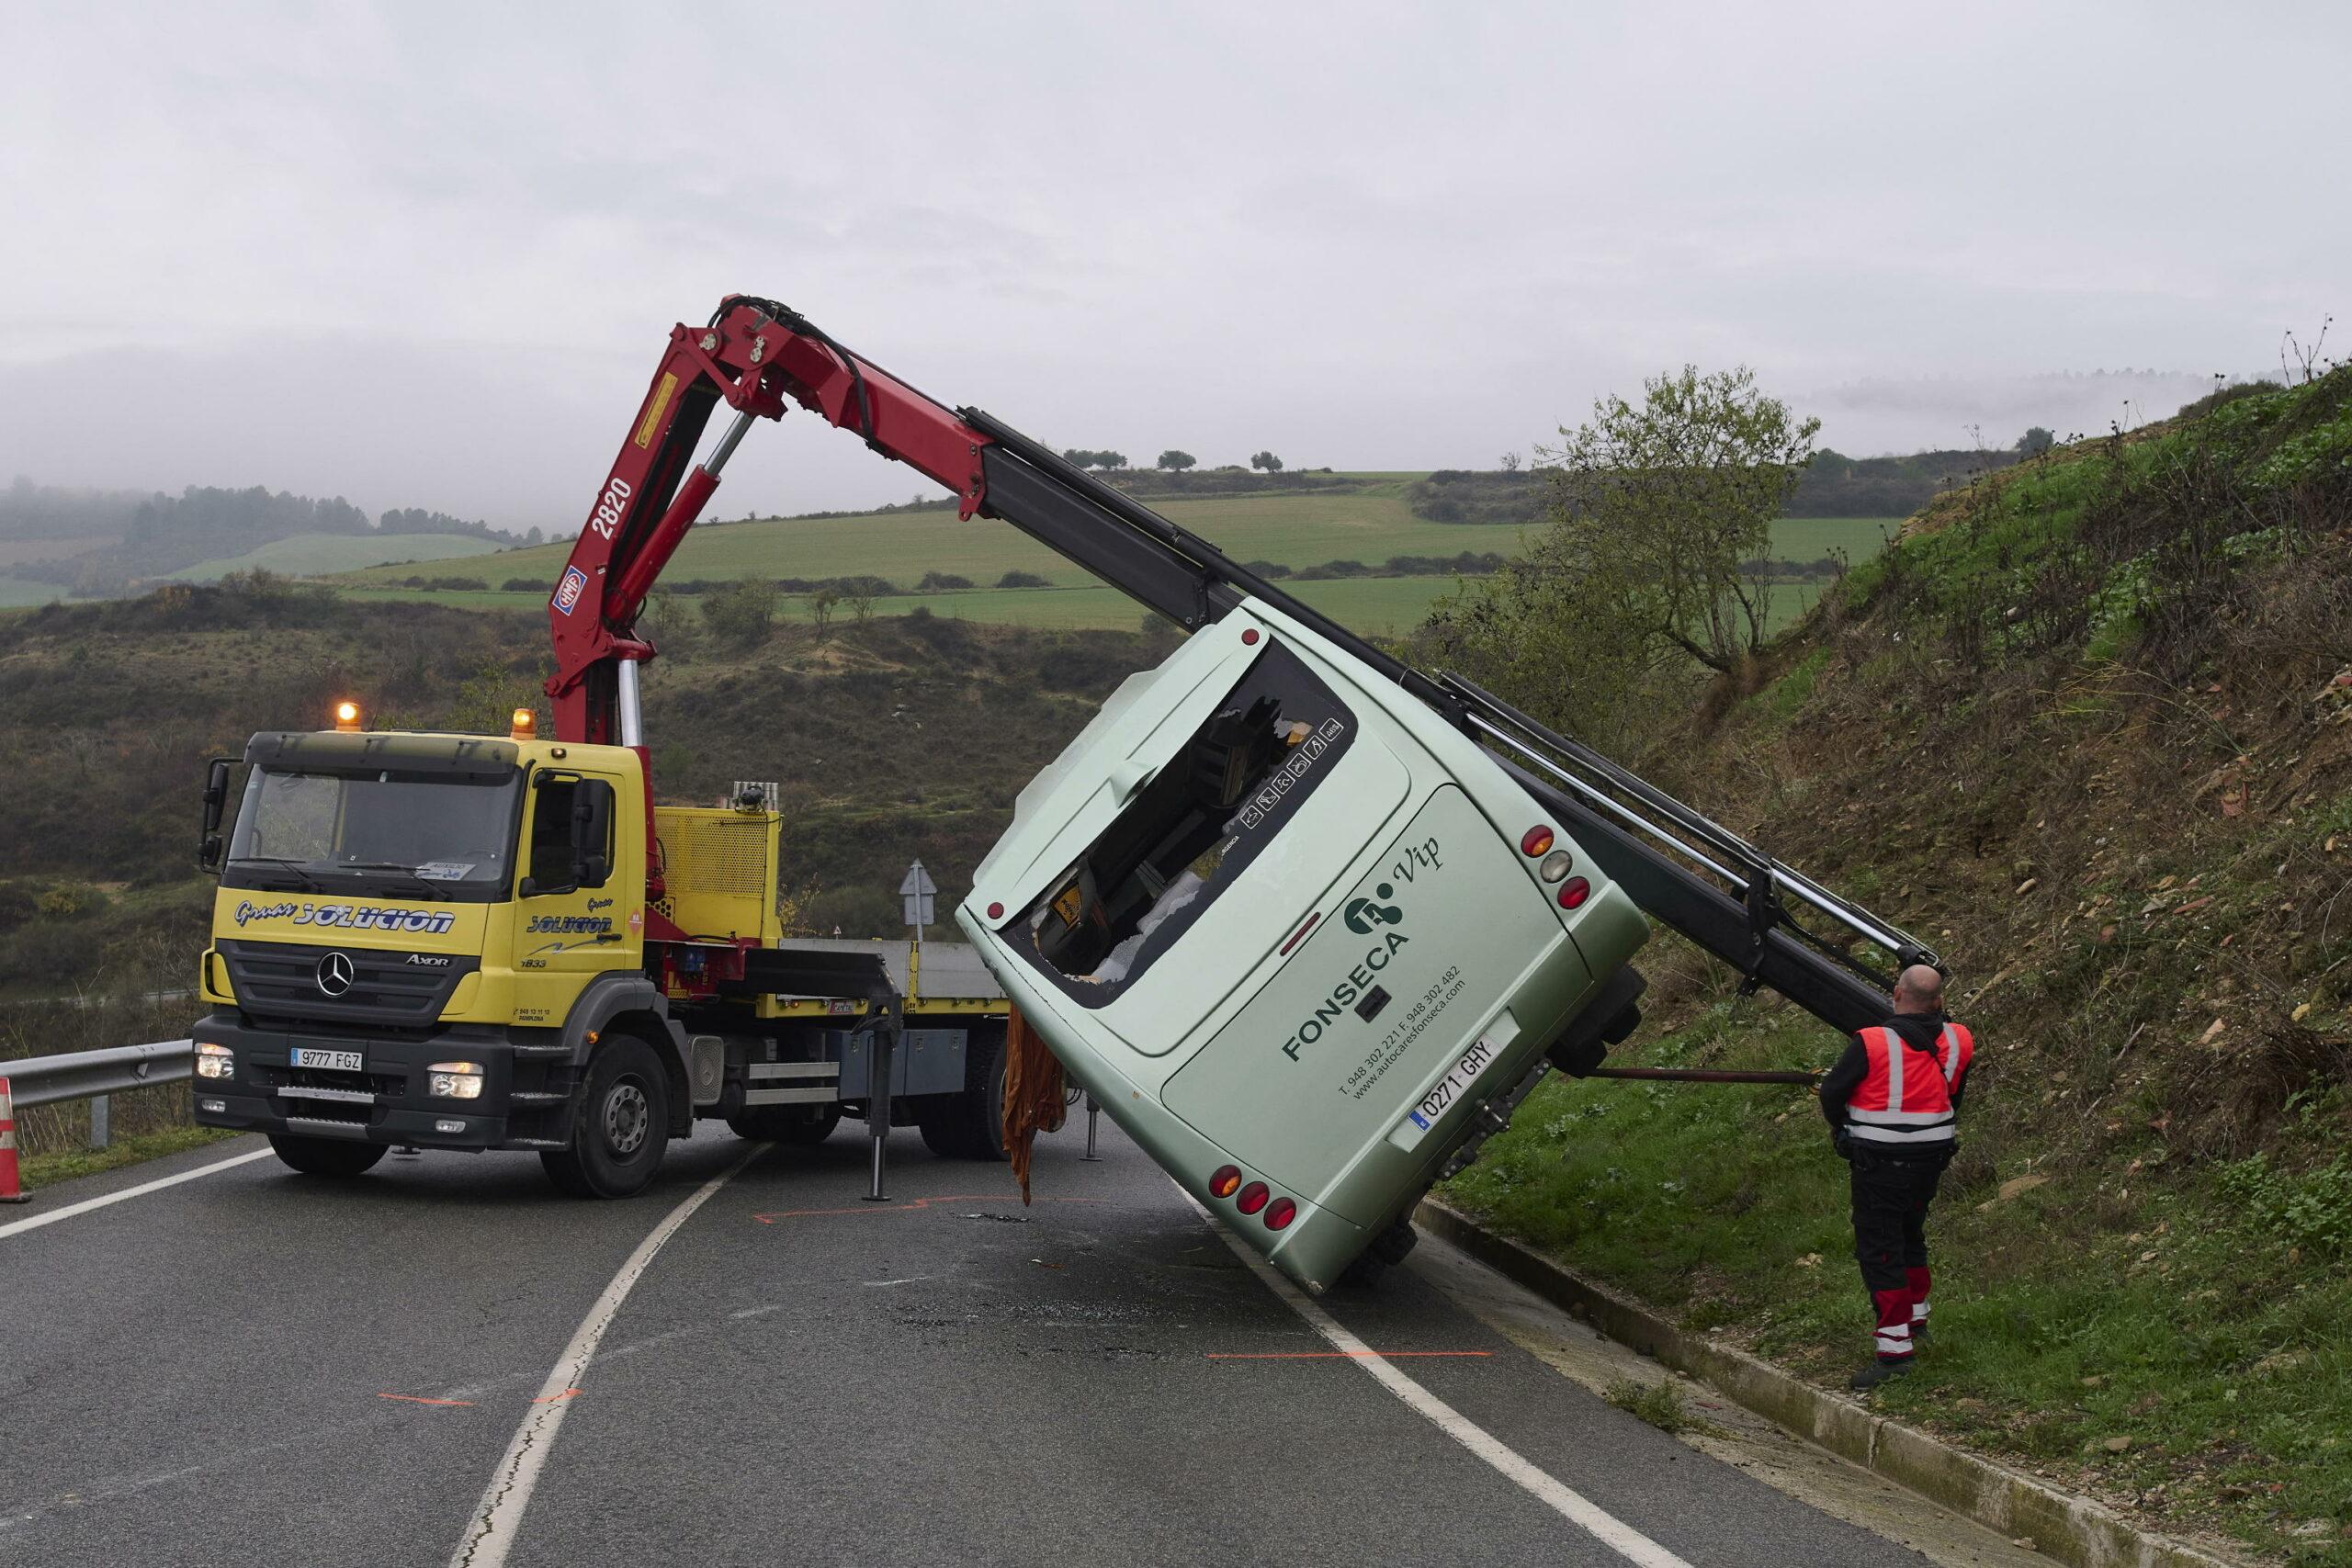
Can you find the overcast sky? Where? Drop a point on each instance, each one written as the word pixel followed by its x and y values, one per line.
pixel 425 254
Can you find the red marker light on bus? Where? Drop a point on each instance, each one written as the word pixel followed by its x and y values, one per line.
pixel 996 911
pixel 1537 841
pixel 1574 892
pixel 1280 1213
pixel 1249 637
pixel 1253 1198
pixel 1226 1178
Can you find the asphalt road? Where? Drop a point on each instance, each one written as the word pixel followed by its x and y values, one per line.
pixel 253 1367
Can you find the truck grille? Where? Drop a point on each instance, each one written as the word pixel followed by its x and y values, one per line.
pixel 293 981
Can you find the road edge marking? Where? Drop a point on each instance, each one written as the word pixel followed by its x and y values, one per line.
pixel 35 1221
pixel 1569 1504
pixel 498 1518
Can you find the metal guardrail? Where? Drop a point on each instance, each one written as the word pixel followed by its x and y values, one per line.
pixel 94 1075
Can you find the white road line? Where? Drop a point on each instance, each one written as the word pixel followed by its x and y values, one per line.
pixel 1572 1506
pixel 86 1204
pixel 492 1533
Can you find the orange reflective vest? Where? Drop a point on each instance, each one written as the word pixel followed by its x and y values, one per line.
pixel 1905 1097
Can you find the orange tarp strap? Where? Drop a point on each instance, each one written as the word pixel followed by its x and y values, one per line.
pixel 1033 1094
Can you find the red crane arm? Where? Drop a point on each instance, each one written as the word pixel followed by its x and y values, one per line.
pixel 753 355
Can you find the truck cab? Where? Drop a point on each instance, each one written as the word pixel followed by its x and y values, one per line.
pixel 452 941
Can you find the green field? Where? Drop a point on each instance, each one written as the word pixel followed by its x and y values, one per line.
pixel 1293 530
pixel 18 592
pixel 1380 607
pixel 315 554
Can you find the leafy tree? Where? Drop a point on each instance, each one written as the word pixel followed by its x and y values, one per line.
pixel 2035 442
pixel 1659 530
pixel 741 612
pixel 1086 457
pixel 1511 461
pixel 1021 580
pixel 1267 461
pixel 1661 503
pixel 821 607
pixel 1175 461
pixel 942 582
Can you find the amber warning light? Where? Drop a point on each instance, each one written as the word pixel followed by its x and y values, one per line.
pixel 347 717
pixel 526 723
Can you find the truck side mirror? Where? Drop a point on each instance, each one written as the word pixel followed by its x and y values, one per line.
pixel 209 847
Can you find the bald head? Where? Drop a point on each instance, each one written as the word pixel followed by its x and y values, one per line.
pixel 1919 988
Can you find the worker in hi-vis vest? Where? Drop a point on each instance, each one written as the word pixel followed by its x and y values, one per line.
pixel 1892 1101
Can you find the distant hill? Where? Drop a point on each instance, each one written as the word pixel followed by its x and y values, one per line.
pixel 314 555
pixel 154 535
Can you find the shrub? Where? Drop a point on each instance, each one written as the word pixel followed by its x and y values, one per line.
pixel 942 582
pixel 1021 580
pixel 520 585
pixel 70 901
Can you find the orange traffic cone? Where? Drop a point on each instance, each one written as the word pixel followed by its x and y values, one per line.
pixel 11 1189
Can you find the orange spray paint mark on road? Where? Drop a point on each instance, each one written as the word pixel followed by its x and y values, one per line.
pixel 558 1398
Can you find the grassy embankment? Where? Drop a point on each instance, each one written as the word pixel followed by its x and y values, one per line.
pixel 2089 729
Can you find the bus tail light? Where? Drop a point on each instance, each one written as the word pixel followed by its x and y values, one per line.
pixel 1253 1198
pixel 1280 1212
pixel 1574 892
pixel 1536 842
pixel 1556 865
pixel 1226 1178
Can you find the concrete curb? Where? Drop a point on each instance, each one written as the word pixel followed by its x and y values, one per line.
pixel 2070 1529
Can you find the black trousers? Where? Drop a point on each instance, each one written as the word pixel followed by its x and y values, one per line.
pixel 1890 1196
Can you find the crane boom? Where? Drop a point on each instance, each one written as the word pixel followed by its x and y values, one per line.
pixel 758 356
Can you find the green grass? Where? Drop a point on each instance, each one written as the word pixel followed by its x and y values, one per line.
pixel 1376 606
pixel 17 593
pixel 1291 530
pixel 314 555
pixel 2212 1348
pixel 1373 605
pixel 1656 1403
pixel 47 1170
pixel 1812 538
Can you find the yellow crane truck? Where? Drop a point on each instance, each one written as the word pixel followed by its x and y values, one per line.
pixel 463 941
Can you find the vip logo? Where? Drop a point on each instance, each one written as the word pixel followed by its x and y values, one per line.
pixel 568 592
pixel 1364 916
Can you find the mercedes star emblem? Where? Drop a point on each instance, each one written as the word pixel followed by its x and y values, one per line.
pixel 335 974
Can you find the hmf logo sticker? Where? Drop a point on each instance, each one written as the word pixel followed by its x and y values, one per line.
pixel 568 592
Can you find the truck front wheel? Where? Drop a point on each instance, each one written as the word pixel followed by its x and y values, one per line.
pixel 325 1156
pixel 622 1127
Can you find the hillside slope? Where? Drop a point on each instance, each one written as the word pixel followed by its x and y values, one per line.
pixel 907 737
pixel 2089 727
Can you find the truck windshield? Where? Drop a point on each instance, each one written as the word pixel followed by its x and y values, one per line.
pixel 390 833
